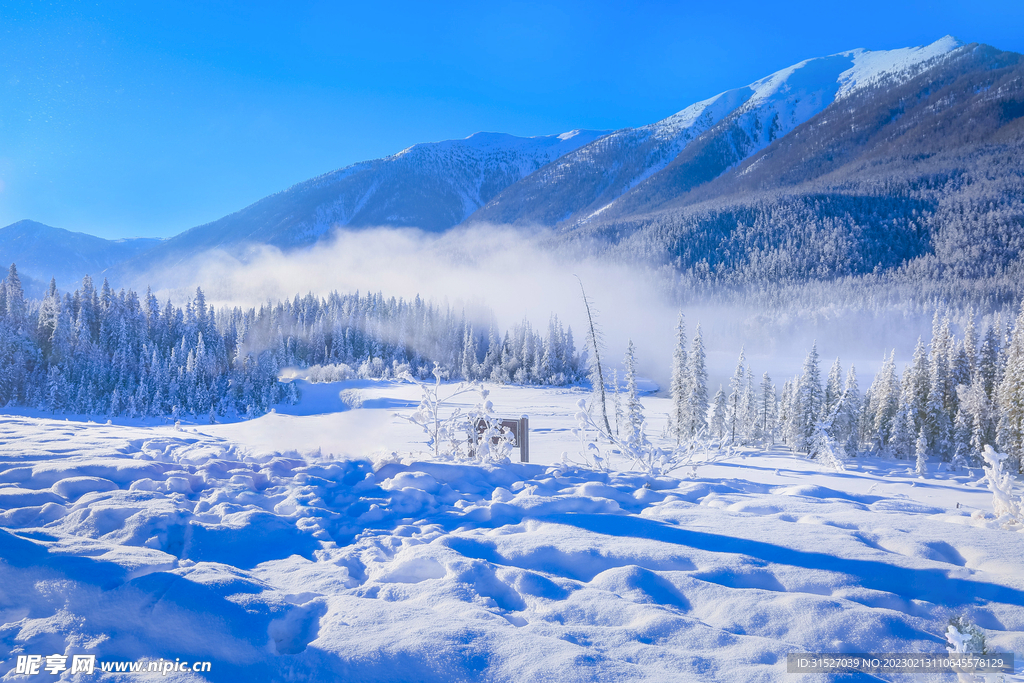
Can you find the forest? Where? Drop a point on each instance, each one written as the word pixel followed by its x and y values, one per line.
pixel 97 351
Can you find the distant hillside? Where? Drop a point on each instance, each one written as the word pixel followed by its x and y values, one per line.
pixel 923 179
pixel 899 167
pixel 432 186
pixel 43 252
pixel 636 170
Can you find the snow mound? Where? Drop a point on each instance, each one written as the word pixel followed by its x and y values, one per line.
pixel 276 566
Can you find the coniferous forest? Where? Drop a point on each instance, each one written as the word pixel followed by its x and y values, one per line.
pixel 97 351
pixel 956 396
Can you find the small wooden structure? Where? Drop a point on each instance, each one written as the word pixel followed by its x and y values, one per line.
pixel 520 429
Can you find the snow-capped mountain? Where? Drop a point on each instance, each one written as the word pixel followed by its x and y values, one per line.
pixel 825 130
pixel 432 186
pixel 919 178
pixel 732 126
pixel 42 252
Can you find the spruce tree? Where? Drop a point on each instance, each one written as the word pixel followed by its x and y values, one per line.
pixel 885 393
pixel 851 413
pixel 634 410
pixel 680 423
pixel 921 451
pixel 767 410
pixel 809 400
pixel 733 414
pixel 716 414
pixel 833 388
pixel 698 383
pixel 1010 399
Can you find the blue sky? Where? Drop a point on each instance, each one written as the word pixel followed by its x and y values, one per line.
pixel 150 118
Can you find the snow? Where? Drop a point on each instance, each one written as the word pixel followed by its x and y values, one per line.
pixel 869 67
pixel 770 107
pixel 315 543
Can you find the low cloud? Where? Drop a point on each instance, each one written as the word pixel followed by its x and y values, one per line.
pixel 519 274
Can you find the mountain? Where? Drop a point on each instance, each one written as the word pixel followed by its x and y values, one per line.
pixel 918 178
pixel 432 186
pixel 43 252
pixel 633 169
pixel 902 164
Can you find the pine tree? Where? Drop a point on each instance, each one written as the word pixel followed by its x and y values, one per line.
pixel 617 401
pixel 680 422
pixel 751 425
pixel 698 383
pixel 988 359
pixel 733 414
pixel 785 419
pixel 596 373
pixel 921 451
pixel 16 307
pixel 915 392
pixel 901 438
pixel 1010 399
pixel 808 406
pixel 634 410
pixel 833 388
pixel 885 392
pixel 850 415
pixel 716 414
pixel 767 409
pixel 938 426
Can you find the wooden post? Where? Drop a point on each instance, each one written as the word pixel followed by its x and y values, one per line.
pixel 524 439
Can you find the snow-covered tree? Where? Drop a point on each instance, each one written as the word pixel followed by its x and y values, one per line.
pixel 1010 399
pixel 734 411
pixel 698 383
pixel 767 409
pixel 884 402
pixel 808 403
pixel 680 422
pixel 921 452
pixel 634 410
pixel 716 414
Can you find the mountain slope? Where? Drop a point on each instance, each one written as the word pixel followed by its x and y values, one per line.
pixel 922 179
pixel 656 162
pixel 43 252
pixel 432 186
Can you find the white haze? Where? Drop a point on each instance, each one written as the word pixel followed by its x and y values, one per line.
pixel 516 274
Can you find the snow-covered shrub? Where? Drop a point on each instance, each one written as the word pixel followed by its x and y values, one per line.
pixel 454 434
pixel 921 452
pixel 830 451
pixel 965 638
pixel 335 372
pixel 638 451
pixel 1004 501
pixel 352 398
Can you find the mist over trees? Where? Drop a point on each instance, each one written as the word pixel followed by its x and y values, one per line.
pixel 907 195
pixel 97 351
pixel 956 396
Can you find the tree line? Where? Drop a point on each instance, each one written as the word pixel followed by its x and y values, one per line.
pixel 105 352
pixel 956 396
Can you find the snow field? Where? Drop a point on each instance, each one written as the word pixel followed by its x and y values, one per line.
pixel 147 541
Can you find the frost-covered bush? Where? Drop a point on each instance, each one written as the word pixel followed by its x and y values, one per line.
pixel 638 451
pixel 965 638
pixel 826 448
pixel 352 398
pixel 454 434
pixel 1005 502
pixel 334 372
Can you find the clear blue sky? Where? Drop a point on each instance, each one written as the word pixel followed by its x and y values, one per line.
pixel 150 118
